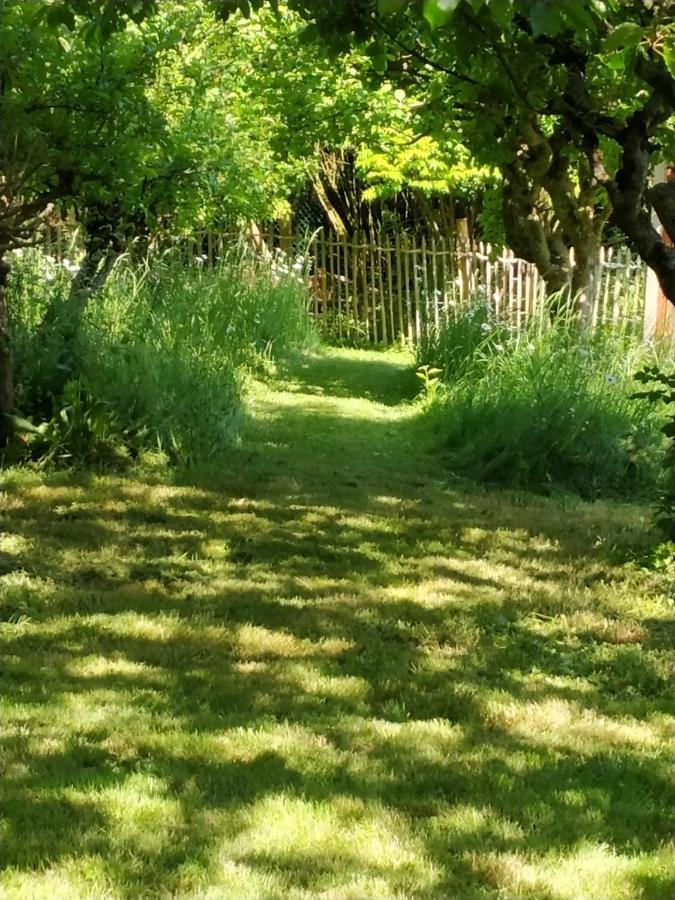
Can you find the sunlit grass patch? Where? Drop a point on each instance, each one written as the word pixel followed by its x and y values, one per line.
pixel 323 671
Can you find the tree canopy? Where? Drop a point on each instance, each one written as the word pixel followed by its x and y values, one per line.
pixel 573 102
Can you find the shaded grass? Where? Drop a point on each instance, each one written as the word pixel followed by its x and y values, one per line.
pixel 320 670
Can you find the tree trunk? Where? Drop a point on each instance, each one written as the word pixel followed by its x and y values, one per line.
pixel 585 279
pixel 6 360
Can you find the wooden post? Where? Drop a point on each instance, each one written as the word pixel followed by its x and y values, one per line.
pixel 463 258
pixel 345 262
pixel 373 289
pixel 316 281
pixel 434 283
pixel 286 233
pixel 406 271
pixel 425 285
pixel 381 257
pixel 416 290
pixel 399 287
pixel 364 285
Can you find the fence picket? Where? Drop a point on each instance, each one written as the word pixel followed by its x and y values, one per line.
pixel 368 284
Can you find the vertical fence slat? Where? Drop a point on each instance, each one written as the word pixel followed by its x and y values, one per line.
pixel 416 289
pixel 434 282
pixel 356 306
pixel 425 286
pixel 373 292
pixel 363 251
pixel 412 335
pixel 399 286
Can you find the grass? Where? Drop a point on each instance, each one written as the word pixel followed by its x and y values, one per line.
pixel 320 670
pixel 159 354
pixel 543 408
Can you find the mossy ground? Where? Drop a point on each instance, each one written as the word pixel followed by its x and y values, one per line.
pixel 322 670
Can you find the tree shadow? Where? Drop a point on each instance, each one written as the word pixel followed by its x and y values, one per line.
pixel 276 631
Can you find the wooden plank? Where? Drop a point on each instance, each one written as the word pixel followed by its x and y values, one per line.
pixel 316 280
pixel 416 289
pixel 336 280
pixel 364 285
pixel 390 291
pixel 380 256
pixel 434 282
pixel 607 285
pixel 618 285
pixel 425 285
pixel 399 287
pixel 408 305
pixel 373 291
pixel 357 306
pixel 489 266
pixel 325 287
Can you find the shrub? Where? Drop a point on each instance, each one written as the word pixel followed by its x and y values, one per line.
pixel 548 406
pixel 163 346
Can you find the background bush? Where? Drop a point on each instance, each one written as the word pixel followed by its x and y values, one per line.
pixel 163 347
pixel 550 406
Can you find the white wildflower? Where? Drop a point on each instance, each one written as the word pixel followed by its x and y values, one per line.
pixel 611 379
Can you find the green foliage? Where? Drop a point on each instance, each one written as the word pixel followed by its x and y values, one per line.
pixel 548 407
pixel 162 350
pixel 660 390
pixel 83 429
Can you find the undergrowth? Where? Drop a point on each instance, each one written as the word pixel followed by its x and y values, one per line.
pixel 157 359
pixel 550 406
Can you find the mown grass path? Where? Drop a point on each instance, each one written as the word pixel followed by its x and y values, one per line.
pixel 324 670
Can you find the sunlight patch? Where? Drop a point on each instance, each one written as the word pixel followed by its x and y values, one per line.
pixel 563 723
pixel 343 838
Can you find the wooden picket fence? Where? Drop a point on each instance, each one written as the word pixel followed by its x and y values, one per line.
pixel 395 287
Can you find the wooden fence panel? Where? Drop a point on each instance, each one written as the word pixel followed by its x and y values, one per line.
pixel 393 287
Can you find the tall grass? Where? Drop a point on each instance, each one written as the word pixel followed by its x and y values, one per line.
pixel 163 345
pixel 550 405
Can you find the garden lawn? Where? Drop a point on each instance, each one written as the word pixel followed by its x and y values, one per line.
pixel 323 670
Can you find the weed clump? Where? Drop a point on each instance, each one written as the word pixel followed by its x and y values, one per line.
pixel 158 357
pixel 546 406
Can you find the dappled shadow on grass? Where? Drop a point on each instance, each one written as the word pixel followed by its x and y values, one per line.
pixel 387 378
pixel 323 668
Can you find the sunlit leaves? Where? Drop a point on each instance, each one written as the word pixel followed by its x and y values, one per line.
pixel 669 54
pixel 627 34
pixel 438 12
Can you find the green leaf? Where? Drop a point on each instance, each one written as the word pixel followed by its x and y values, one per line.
pixel 579 16
pixel 627 34
pixel 669 55
pixel 437 12
pixel 390 7
pixel 502 11
pixel 545 19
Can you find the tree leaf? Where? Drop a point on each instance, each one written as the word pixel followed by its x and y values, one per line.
pixel 669 55
pixel 502 11
pixel 390 7
pixel 579 16
pixel 437 12
pixel 627 34
pixel 545 19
